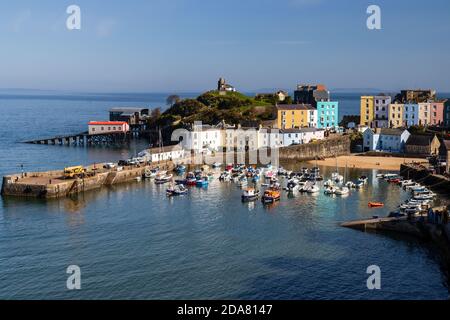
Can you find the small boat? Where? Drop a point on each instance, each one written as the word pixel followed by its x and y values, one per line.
pixel 313 189
pixel 176 190
pixel 380 176
pixel 330 190
pixel 163 178
pixel 359 184
pixel 250 194
pixel 202 182
pixel 138 179
pixel 180 169
pixel 376 204
pixel 363 179
pixel 342 191
pixel 271 196
pixel 406 183
pixel 216 165
pixel 350 185
pixel 150 174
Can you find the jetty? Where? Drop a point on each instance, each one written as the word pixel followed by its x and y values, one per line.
pixel 54 184
pixel 85 139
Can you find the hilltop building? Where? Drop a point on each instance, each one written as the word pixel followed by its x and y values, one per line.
pixel 416 96
pixel 222 86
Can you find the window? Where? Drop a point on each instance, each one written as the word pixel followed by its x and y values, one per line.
pixel 93 129
pixel 102 128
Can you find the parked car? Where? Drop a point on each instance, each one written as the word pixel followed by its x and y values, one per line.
pixel 109 165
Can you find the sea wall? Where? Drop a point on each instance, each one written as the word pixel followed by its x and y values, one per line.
pixel 331 147
pixel 50 184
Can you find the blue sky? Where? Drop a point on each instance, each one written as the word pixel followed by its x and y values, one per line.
pixel 185 45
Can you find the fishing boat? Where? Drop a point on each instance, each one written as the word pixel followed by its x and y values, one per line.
pixel 376 204
pixel 250 194
pixel 163 178
pixel 191 180
pixel 225 176
pixel 271 196
pixel 424 197
pixel 350 185
pixel 380 176
pixel 406 183
pixel 176 190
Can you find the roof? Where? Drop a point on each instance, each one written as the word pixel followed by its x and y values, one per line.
pixel 282 107
pixel 107 123
pixel 175 147
pixel 389 132
pixel 419 140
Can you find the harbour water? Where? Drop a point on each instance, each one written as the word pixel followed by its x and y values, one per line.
pixel 131 241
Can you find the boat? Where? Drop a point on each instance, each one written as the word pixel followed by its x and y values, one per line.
pixel 242 182
pixel 202 182
pixel 376 204
pixel 350 185
pixel 150 174
pixel 342 191
pixel 380 176
pixel 138 179
pixel 180 169
pixel 363 179
pixel 359 184
pixel 225 176
pixel 424 197
pixel 405 183
pixel 313 189
pixel 216 165
pixel 271 196
pixel 250 194
pixel 330 190
pixel 163 178
pixel 176 190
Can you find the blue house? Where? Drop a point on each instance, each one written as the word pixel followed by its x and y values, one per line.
pixel 327 114
pixel 385 140
pixel 411 114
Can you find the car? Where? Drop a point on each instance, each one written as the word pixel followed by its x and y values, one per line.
pixel 109 165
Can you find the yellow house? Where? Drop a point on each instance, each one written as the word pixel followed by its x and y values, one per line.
pixel 294 116
pixel 396 115
pixel 367 110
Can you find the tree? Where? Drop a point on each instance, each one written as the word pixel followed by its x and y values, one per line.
pixel 172 99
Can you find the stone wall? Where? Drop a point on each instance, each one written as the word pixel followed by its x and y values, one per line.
pixel 424 177
pixel 337 146
pixel 13 185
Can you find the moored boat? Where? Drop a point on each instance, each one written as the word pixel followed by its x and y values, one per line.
pixel 375 204
pixel 250 194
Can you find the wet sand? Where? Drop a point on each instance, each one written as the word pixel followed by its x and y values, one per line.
pixel 365 162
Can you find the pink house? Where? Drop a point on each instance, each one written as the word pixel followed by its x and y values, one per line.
pixel 437 113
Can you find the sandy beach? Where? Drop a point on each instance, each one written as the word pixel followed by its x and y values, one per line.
pixel 365 162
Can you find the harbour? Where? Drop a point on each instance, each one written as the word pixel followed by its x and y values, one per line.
pixel 258 249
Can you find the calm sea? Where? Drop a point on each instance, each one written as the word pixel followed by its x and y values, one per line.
pixel 130 241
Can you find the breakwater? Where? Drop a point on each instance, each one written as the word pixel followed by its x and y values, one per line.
pixel 51 184
pixel 421 175
pixel 331 147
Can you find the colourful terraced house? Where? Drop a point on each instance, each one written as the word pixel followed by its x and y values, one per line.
pixel 328 114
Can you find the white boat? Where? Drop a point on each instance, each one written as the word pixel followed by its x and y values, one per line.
pixel 405 183
pixel 250 195
pixel 150 174
pixel 330 190
pixel 216 165
pixel 350 185
pixel 177 190
pixel 163 178
pixel 313 189
pixel 342 191
pixel 329 183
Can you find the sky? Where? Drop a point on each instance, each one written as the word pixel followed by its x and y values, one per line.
pixel 186 45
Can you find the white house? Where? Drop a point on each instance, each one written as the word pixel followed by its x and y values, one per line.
pixel 202 138
pixel 166 153
pixel 310 134
pixel 104 127
pixel 386 140
pixel 300 136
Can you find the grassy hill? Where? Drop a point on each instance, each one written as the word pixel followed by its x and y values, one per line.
pixel 212 107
